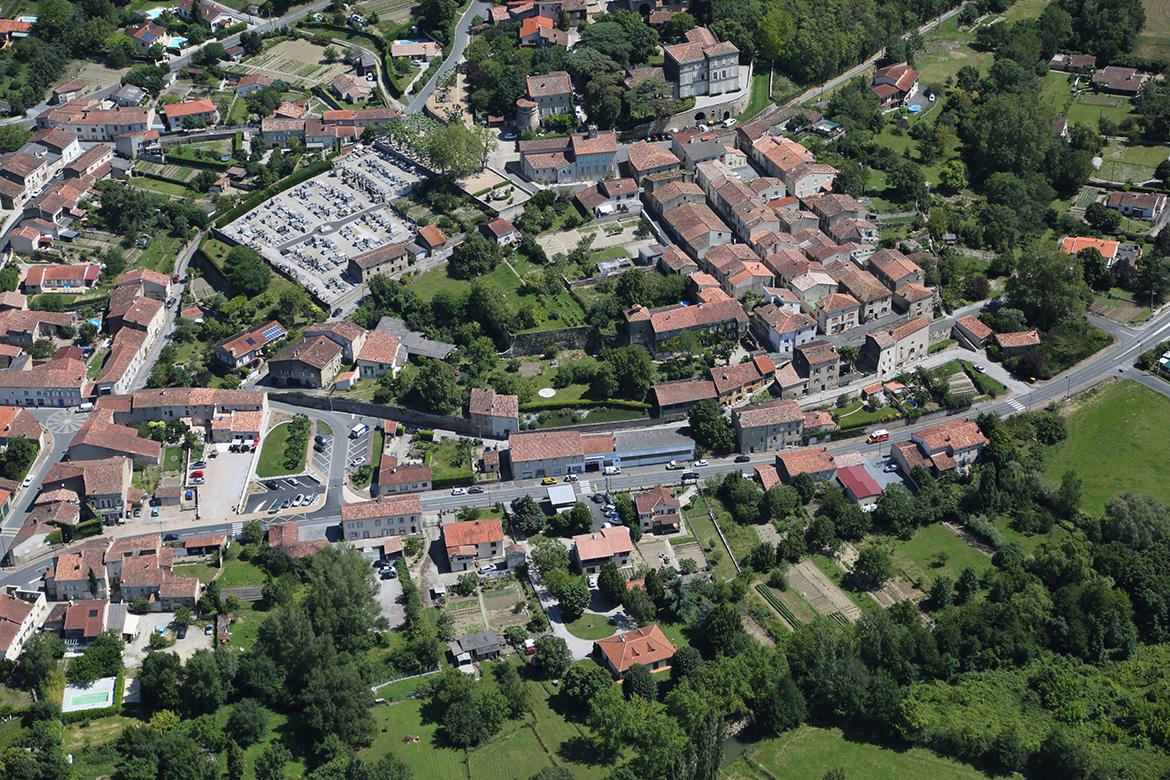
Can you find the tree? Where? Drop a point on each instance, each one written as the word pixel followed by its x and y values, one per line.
pixel 639 681
pixel 640 606
pixel 571 593
pixel 247 722
pixel 18 458
pixel 677 26
pixel 270 764
pixel 454 149
pixel 513 689
pixel 710 429
pixel 578 520
pixel 330 54
pixel 908 184
pixel 12 137
pixel 805 486
pixel 202 685
pixel 780 502
pixel 337 702
pixel 252 532
pixel 246 272
pixel 632 370
pixel 897 510
pixel 874 564
pixel 476 256
pixel 42 349
pixel 723 627
pixel 942 592
pixel 611 583
pixel 783 707
pixel 527 517
pixel 436 387
pixel 1101 217
pixel 1152 281
pixel 1045 291
pixel 967 586
pixel 236 763
pixel 953 175
pixel 38 659
pixel 583 682
pixel 552 657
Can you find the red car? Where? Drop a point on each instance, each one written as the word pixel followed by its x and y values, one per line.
pixel 196 474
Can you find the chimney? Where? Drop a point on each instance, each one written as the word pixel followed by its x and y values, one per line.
pixel 592 131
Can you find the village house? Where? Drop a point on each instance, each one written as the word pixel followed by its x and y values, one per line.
pixel 102 485
pixel 245 348
pixel 953 445
pixel 552 93
pixel 381 354
pixel 79 574
pixel 646 646
pixel 678 396
pixel 1073 63
pixel 387 516
pixel 610 196
pixel 894 269
pixel 57 382
pixel 793 164
pixel 859 486
pixel 21 613
pixel 500 231
pixel 585 156
pixel 894 85
pixel 773 425
pixel 659 511
pixel 307 362
pixel 1107 247
pixel 836 313
pixel 60 278
pixel 644 159
pixel 286 538
pixel 394 478
pixel 875 298
pixel 1119 80
pixel 971 330
pixel 472 541
pixel 702 65
pixel 608 545
pixel 1137 205
pixel 891 351
pixel 387 260
pixel 914 300
pixel 819 364
pixel 781 328
pixel 817 462
pixel 1012 344
pixel 93 123
pixel 191 113
pixel 100 438
pixel 740 381
pixel 696 228
pixel 654 328
pixel 493 415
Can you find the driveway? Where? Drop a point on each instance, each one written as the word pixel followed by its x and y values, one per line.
pixel 136 651
pixel 389 592
pixel 226 476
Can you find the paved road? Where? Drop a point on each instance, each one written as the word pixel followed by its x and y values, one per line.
pixel 454 55
pixel 172 316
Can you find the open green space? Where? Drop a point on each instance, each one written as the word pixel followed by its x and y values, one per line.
pixel 831 570
pixel 945 50
pixel 427 757
pixel 742 538
pixel 204 572
pixel 271 463
pixel 1123 162
pixel 449 459
pixel 933 550
pixel 241 574
pixel 591 626
pixel 160 254
pixel 518 754
pixel 97 361
pixel 173 459
pixel 759 99
pixel 1027 542
pixel 1153 41
pixel 855 415
pixel 808 752
pixel 1116 443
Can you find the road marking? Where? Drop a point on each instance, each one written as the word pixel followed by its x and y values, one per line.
pixel 584 488
pixel 1015 405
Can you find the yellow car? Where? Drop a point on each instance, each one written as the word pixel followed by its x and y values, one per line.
pixel 549 481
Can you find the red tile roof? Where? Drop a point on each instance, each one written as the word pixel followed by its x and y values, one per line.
pixel 472 532
pixel 646 646
pixel 605 543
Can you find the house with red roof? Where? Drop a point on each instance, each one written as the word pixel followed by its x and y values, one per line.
pixel 469 542
pixel 191 113
pixel 894 85
pixel 609 545
pixel 646 646
pixel 860 486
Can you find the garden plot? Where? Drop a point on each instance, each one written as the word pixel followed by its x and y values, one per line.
pixel 296 62
pixel 820 592
pixel 499 603
pixel 311 231
pixel 466 615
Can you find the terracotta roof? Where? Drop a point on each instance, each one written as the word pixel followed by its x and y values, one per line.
pixel 545 445
pixel 118 438
pixel 211 540
pixel 1074 244
pixel 389 506
pixel 605 142
pixel 648 500
pixel 837 302
pixel 772 413
pixel 472 532
pixel 861 284
pixel 380 347
pixel 818 352
pixel 343 329
pixel 951 436
pixel 1021 339
pixel 187 108
pixel 17 421
pixel 735 377
pixel 605 543
pixel 668 394
pixel 893 264
pixel 380 256
pixel 393 474
pixel 550 84
pixel 500 228
pixel 643 156
pixel 82 272
pixel 87 617
pixel 486 401
pixel 806 461
pixel 317 352
pixel 900 74
pixel 975 326
pixel 676 318
pixel 913 292
pixel 646 646
pixel 783 320
pixel 432 235
pixel 1136 200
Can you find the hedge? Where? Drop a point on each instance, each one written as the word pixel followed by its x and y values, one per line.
pixel 114 709
pixel 258 197
pixel 192 161
pixel 584 403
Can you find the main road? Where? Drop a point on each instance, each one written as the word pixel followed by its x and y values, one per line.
pixel 454 54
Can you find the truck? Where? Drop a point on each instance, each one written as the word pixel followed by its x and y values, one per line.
pixel 880 435
pixel 359 430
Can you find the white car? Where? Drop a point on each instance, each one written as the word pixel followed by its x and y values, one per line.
pixel 571 478
pixel 458 491
pixel 729 122
pixel 27 481
pixel 593 582
pixel 359 460
pixel 609 508
pixel 702 462
pixel 299 499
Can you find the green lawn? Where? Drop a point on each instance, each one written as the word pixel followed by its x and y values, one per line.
pixel 450 461
pixel 427 757
pixel 591 626
pixel 945 50
pixel 173 459
pixel 1123 162
pixel 96 362
pixel 201 571
pixel 809 752
pixel 518 755
pixel 855 415
pixel 241 574
pixel 1027 542
pixel 1154 40
pixel 271 462
pixel 915 557
pixel 1116 443
pixel 160 255
pixel 741 537
pixel 247 626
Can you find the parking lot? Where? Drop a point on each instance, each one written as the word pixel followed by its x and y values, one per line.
pixel 357 448
pixel 389 592
pixel 224 478
pixel 263 494
pixel 135 652
pixel 312 230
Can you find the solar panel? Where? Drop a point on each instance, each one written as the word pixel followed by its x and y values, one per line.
pixel 272 332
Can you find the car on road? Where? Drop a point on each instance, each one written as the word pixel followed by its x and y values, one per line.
pixel 612 470
pixel 359 460
pixel 508 136
pixel 475 489
pixel 387 574
pixel 487 568
pixel 702 462
pixel 458 491
pixel 571 478
pixel 171 538
pixel 674 465
pixel 27 481
pixel 979 367
pixel 742 458
pixel 598 498
pixel 549 481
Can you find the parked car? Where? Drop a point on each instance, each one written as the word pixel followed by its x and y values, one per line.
pixel 571 478
pixel 197 473
pixel 208 630
pixel 298 499
pixel 199 464
pixel 476 489
pixel 181 633
pixel 598 498
pixel 458 491
pixel 291 482
pixel 702 462
pixel 549 481
pixel 171 538
pixel 609 508
pixel 27 481
pixel 274 508
pixel 742 458
pixel 286 503
pixel 593 582
pixel 359 460
pixel 196 481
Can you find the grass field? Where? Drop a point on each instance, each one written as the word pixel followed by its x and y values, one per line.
pixel 809 752
pixel 915 556
pixel 759 99
pixel 1116 442
pixel 517 755
pixel 701 527
pixel 1154 39
pixel 173 459
pixel 271 463
pixel 201 571
pixel 591 626
pixel 1124 163
pixel 241 574
pixel 945 50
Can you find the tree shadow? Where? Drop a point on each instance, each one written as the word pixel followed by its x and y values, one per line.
pixel 582 750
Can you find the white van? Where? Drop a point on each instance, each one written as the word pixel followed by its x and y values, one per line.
pixel 85 407
pixel 611 470
pixel 359 430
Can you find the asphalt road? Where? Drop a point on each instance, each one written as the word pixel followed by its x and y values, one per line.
pixel 454 56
